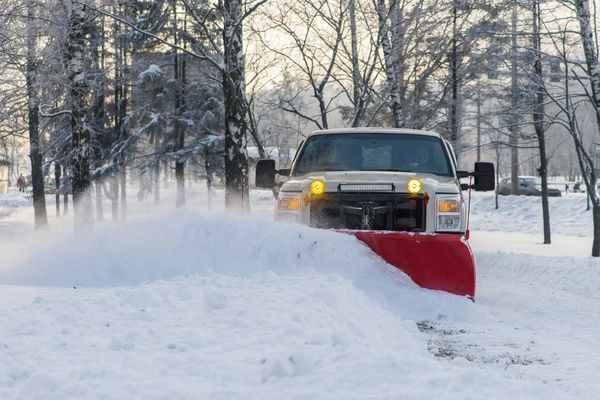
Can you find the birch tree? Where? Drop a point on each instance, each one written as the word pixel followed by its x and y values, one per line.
pixel 79 18
pixel 364 56
pixel 412 34
pixel 236 111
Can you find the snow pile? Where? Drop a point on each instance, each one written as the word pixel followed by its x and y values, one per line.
pixel 579 276
pixel 163 247
pixel 12 201
pixel 568 214
pixel 152 73
pixel 191 306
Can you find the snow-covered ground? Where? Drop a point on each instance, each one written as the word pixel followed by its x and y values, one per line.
pixel 190 305
pixel 568 214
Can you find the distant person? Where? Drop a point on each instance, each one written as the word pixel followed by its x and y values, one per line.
pixel 21 183
pixel 566 188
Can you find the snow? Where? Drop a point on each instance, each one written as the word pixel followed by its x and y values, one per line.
pixel 568 214
pixel 192 304
pixel 12 201
pixel 152 73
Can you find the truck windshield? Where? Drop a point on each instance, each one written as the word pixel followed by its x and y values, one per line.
pixel 373 152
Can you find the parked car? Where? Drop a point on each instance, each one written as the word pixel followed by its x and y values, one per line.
pixel 578 187
pixel 49 187
pixel 528 186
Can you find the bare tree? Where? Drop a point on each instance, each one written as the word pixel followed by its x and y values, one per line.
pixel 574 105
pixel 412 34
pixel 312 32
pixel 586 161
pixel 35 145
pixel 538 116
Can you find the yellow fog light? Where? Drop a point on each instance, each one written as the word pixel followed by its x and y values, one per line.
pixel 414 186
pixel 448 206
pixel 289 203
pixel 317 187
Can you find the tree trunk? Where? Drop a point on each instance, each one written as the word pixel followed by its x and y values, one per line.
pixel 57 173
pixel 120 114
pixel 99 206
pixel 593 68
pixel 357 81
pixel 389 61
pixel 253 129
pixel 98 108
pixel 236 162
pixel 123 182
pixel 35 151
pixel 497 174
pixel 454 102
pixel 514 103
pixel 156 176
pixel 113 195
pixel 179 72
pixel 538 119
pixel 208 169
pixel 76 48
pixel 596 240
pixel 123 110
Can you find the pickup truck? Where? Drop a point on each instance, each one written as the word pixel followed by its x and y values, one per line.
pixel 397 190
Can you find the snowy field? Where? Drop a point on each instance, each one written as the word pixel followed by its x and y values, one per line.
pixel 197 305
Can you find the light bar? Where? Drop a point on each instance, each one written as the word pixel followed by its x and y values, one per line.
pixel 366 187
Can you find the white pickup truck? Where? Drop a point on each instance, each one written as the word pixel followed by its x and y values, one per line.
pixel 397 190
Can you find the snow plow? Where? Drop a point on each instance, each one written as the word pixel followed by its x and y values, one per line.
pixel 396 190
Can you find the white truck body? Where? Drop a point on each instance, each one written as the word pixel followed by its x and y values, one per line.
pixel 434 187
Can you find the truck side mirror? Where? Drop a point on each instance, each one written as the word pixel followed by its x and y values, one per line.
pixel 265 174
pixel 484 177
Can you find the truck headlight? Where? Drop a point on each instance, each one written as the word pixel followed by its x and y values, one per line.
pixel 289 206
pixel 317 187
pixel 414 186
pixel 449 213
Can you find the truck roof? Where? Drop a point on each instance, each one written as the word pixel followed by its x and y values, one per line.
pixel 395 131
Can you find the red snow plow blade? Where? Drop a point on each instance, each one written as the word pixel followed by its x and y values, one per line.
pixel 440 261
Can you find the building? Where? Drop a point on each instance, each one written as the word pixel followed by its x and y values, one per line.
pixel 4 166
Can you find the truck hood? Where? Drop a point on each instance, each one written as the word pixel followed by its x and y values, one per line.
pixel 431 183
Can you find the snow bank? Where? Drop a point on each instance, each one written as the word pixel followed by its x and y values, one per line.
pixel 579 276
pixel 12 201
pixel 193 306
pixel 164 247
pixel 568 215
pixel 189 243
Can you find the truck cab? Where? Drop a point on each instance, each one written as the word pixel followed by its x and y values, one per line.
pixel 375 179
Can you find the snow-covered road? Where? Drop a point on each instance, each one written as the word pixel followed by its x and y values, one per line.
pixel 189 306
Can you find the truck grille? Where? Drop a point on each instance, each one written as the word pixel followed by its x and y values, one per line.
pixel 369 211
